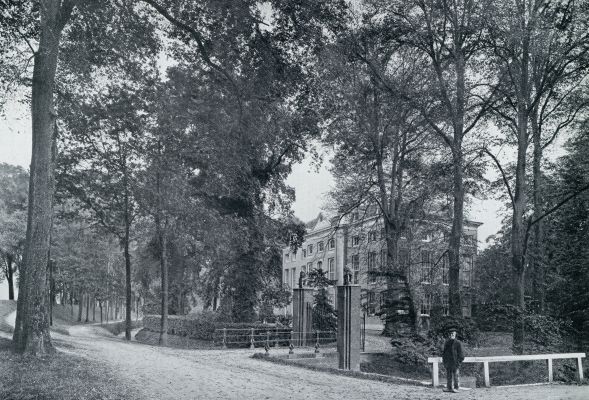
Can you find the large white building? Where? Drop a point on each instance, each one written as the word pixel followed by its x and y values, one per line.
pixel 358 244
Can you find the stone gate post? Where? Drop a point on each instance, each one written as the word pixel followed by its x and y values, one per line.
pixel 302 323
pixel 348 326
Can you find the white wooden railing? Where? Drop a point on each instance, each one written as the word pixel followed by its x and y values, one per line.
pixel 486 360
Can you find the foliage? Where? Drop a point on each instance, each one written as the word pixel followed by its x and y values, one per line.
pixel 13 218
pixel 467 329
pixel 116 328
pixel 204 326
pixel 413 351
pixel 324 314
pixel 494 317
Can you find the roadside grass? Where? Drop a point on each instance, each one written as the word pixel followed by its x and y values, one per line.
pixel 178 342
pixel 59 377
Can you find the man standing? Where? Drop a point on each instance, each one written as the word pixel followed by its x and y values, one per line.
pixel 452 358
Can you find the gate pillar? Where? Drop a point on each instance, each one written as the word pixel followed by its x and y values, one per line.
pixel 348 327
pixel 302 315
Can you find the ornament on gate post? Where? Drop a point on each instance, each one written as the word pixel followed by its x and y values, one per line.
pixel 302 279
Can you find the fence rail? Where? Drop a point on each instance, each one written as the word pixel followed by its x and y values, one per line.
pixel 252 337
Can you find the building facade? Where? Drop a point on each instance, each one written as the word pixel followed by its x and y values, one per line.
pixel 358 243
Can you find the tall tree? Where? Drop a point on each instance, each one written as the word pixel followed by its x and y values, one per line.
pixel 379 141
pixel 542 47
pixel 31 333
pixel 449 38
pixel 99 163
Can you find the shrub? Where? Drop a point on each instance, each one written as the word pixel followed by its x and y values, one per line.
pixel 206 326
pixel 494 317
pixel 546 333
pixel 413 351
pixel 467 329
pixel 116 328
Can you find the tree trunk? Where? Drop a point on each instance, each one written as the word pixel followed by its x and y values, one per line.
pixel 100 306
pixel 93 309
pixel 454 298
pixel 51 293
pixel 116 309
pixel 87 307
pixel 10 276
pixel 80 305
pixel 518 234
pixel 163 341
pixel 536 255
pixel 127 258
pixel 31 333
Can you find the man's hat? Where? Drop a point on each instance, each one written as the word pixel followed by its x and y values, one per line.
pixel 452 328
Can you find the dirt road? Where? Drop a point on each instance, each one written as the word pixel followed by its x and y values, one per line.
pixel 161 373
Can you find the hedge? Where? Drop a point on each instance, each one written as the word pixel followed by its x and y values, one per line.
pixel 116 328
pixel 205 327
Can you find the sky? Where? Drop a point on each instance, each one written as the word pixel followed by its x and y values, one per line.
pixel 311 183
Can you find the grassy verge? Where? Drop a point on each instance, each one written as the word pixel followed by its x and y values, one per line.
pixel 60 377
pixel 174 341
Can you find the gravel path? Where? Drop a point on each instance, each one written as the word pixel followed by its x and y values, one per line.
pixel 163 373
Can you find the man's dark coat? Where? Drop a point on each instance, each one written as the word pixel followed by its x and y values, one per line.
pixel 452 356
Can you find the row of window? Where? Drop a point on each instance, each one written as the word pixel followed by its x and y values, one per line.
pixel 429 266
pixel 426 306
pixel 309 250
pixel 291 276
pixel 427 269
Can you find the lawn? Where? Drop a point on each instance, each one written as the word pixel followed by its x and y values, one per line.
pixel 60 377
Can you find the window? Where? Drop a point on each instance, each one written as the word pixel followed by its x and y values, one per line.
pixel 445 307
pixel 356 267
pixel 331 269
pixel 294 278
pixel 466 270
pixel 310 249
pixel 304 253
pixel 383 258
pixel 304 269
pixel 320 265
pixel 294 256
pixel 309 267
pixel 320 246
pixel 371 303
pixel 372 267
pixel 286 276
pixel 331 244
pixel 372 236
pixel 426 305
pixel 286 256
pixel 426 267
pixel 356 241
pixel 445 270
pixel 466 308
